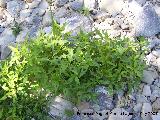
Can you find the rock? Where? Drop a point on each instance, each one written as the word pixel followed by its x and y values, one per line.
pixel 61 12
pixel 38 11
pixel 150 59
pixel 43 5
pixel 7 37
pixel 47 21
pixel 101 15
pixel 34 4
pixel 1 29
pixel 2 3
pixel 58 107
pixel 48 30
pixel 29 1
pixel 116 114
pixel 156 105
pixel 148 77
pixel 14 7
pixel 112 6
pixel 60 3
pixel 146 108
pixel 137 108
pixel 146 21
pixel 83 105
pixel 158 64
pixel 146 90
pixel 101 115
pixel 5 52
pixel 75 22
pixel 156 117
pixel 156 53
pixel 141 2
pixel 25 13
pixel 90 4
pixel 141 98
pixel 22 36
pixel 76 5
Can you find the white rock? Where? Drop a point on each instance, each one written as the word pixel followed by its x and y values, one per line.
pixel 146 90
pixel 156 53
pixel 118 115
pixel 43 5
pixel 112 6
pixel 90 4
pixel 146 108
pixel 141 2
pixel 14 7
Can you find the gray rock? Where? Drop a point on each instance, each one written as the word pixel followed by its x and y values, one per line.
pixel 34 4
pixel 116 114
pixel 7 37
pixel 25 13
pixel 75 22
pixel 141 2
pixel 137 108
pixel 146 21
pixel 43 5
pixel 61 12
pixel 47 21
pixel 146 90
pixel 5 52
pixel 2 3
pixel 146 108
pixel 141 98
pixel 148 77
pixel 76 5
pixel 14 7
pixel 22 36
pixel 58 107
pixel 61 2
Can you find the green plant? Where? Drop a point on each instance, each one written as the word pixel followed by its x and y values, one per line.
pixel 69 113
pixel 70 66
pixel 85 11
pixel 16 29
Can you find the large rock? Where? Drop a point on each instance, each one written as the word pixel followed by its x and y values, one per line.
pixel 90 4
pixel 145 20
pixel 116 114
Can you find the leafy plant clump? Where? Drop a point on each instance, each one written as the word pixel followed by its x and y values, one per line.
pixel 70 66
pixel 16 29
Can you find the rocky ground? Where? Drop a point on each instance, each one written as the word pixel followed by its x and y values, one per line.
pixel 121 18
